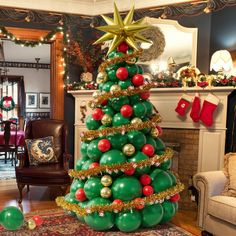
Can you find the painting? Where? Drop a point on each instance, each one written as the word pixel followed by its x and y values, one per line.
pixel 31 100
pixel 44 100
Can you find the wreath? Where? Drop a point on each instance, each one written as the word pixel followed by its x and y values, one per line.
pixel 7 103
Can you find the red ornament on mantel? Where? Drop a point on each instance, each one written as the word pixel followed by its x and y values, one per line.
pixel 104 145
pixel 123 47
pixel 80 195
pixel 126 111
pixel 122 73
pixel 137 80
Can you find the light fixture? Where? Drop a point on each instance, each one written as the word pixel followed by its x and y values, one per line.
pixel 221 61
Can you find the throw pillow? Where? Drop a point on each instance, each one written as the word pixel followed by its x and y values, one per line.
pixel 41 150
pixel 230 172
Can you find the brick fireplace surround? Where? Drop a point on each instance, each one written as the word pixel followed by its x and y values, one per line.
pixel 201 148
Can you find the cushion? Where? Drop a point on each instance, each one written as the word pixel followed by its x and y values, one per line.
pixel 223 207
pixel 230 173
pixel 41 150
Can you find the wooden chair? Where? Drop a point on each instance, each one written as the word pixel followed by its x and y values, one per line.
pixel 52 174
pixel 9 133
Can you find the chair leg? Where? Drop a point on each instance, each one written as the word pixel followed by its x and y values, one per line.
pixel 20 187
pixel 5 157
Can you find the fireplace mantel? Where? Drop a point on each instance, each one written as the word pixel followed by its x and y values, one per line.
pixel 211 140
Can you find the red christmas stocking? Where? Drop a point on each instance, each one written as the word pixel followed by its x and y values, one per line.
pixel 196 107
pixel 182 105
pixel 208 108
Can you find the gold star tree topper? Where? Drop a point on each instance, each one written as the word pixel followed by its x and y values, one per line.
pixel 119 30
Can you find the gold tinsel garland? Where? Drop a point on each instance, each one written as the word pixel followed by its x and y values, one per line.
pixel 152 199
pixel 91 134
pixel 82 174
pixel 126 92
pixel 115 60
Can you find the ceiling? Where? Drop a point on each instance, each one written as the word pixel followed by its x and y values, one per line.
pixel 86 7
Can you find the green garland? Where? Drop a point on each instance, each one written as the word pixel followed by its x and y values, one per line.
pixel 6 98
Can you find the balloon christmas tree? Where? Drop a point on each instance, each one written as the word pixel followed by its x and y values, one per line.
pixel 122 178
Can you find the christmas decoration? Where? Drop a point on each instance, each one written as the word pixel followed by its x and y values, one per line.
pixel 130 180
pixel 196 107
pixel 183 104
pixel 7 103
pixel 209 106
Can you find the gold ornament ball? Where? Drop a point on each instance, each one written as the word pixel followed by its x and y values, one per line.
pixel 106 120
pixel 31 224
pixel 128 149
pixel 154 133
pixel 115 88
pixel 96 94
pixel 105 192
pixel 106 180
pixel 101 77
pixel 136 121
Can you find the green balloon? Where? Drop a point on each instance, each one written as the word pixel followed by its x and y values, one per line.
pixel 93 152
pixel 154 173
pixel 108 110
pixel 152 215
pixel 83 205
pixel 169 211
pixel 70 198
pixel 119 54
pixel 81 162
pixel 83 148
pixel 117 140
pixel 126 188
pixel 111 67
pixel 76 184
pixel 139 110
pixel 112 157
pixel 92 124
pixel 140 69
pixel 124 84
pixel 132 69
pixel 117 103
pixel 92 187
pixel 112 54
pixel 11 218
pixel 119 120
pixel 137 138
pixel 100 86
pixel 112 75
pixel 165 165
pixel 173 178
pixel 102 127
pixel 128 221
pixel 86 164
pixel 160 146
pixel 149 107
pixel 134 99
pixel 97 222
pixel 107 85
pixel 150 140
pixel 139 156
pixel 161 182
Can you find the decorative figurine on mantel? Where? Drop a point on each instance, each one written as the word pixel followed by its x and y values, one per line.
pixel 122 178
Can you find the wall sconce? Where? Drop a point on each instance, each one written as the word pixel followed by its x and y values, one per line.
pixel 221 61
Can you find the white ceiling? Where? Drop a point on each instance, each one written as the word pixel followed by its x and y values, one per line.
pixel 86 7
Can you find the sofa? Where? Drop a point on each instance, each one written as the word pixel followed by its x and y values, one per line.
pixel 216 213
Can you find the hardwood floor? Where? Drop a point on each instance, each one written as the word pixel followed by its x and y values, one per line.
pixel 42 198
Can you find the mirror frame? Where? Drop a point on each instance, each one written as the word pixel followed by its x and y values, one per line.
pixel 56 71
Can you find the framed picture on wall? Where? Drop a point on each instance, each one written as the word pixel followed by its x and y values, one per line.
pixel 31 100
pixel 44 100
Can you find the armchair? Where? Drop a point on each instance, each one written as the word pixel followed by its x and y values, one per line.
pixel 216 213
pixel 52 174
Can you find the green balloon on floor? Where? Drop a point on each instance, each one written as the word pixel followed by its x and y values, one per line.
pixel 92 187
pixel 81 162
pixel 169 211
pixel 97 222
pixel 152 215
pixel 128 221
pixel 161 182
pixel 11 218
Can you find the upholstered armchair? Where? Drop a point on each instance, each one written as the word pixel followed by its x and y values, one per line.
pixel 51 174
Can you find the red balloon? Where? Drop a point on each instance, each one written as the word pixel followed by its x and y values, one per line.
pixel 93 165
pixel 97 114
pixel 148 150
pixel 140 206
pixel 126 111
pixel 80 195
pixel 175 198
pixel 147 190
pixel 104 145
pixel 38 220
pixel 122 73
pixel 123 47
pixel 104 103
pixel 145 95
pixel 130 171
pixel 145 179
pixel 117 201
pixel 137 80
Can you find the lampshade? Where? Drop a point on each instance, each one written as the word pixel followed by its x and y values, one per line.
pixel 221 61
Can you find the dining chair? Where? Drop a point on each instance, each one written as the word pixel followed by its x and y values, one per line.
pixel 8 140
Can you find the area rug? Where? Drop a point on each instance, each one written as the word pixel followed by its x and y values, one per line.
pixel 57 223
pixel 7 171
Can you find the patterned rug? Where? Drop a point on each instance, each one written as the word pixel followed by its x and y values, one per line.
pixel 57 223
pixel 7 171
